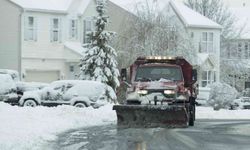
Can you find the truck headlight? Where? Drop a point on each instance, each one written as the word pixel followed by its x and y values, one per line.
pixel 169 92
pixel 142 92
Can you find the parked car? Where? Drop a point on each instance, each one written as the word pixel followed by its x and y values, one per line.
pixel 30 86
pixel 13 73
pixel 242 103
pixel 8 89
pixel 77 93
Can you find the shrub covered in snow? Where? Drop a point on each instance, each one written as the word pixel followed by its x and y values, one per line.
pixel 221 95
pixel 246 92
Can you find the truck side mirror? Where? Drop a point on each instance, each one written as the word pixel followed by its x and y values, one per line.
pixel 194 75
pixel 124 74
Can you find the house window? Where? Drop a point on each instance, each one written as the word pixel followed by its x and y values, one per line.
pixel 30 29
pixel 239 53
pixel 71 68
pixel 207 44
pixel 233 50
pixel 208 77
pixel 73 29
pixel 88 28
pixel 55 35
pixel 246 49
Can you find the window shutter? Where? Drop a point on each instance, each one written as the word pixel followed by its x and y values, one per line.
pixel 70 29
pixel 200 43
pixel 60 29
pixel 35 29
pixel 51 30
pixel 26 28
pixel 84 31
pixel 76 29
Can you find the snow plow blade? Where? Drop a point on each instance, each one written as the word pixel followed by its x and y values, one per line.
pixel 149 116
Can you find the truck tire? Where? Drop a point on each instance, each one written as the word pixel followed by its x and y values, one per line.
pixel 193 103
pixel 191 116
pixel 30 103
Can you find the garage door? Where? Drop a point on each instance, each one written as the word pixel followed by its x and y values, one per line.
pixel 41 76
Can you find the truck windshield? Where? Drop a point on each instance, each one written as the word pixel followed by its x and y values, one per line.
pixel 155 73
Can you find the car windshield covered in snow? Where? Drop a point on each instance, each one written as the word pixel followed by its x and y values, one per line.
pixel 155 73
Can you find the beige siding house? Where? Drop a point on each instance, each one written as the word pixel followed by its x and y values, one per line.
pixel 10 35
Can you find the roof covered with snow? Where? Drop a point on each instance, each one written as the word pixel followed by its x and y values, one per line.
pixel 49 5
pixel 192 18
pixel 75 47
pixel 59 6
pixel 188 16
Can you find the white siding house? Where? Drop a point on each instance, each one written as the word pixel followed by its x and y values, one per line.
pixel 204 35
pixel 237 53
pixel 52 34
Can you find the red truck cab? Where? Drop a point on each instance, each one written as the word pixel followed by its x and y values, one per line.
pixel 172 77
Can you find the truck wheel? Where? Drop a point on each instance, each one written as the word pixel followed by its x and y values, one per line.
pixel 194 110
pixel 80 105
pixel 30 103
pixel 191 116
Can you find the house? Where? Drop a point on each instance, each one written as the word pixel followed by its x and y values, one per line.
pixel 238 50
pixel 10 42
pixel 46 37
pixel 204 36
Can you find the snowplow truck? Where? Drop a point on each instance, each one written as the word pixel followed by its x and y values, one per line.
pixel 161 93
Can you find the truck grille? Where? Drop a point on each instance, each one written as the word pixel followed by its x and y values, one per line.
pixel 150 91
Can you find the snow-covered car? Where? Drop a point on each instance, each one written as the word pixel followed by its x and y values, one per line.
pixel 30 86
pixel 242 103
pixel 13 73
pixel 79 93
pixel 8 90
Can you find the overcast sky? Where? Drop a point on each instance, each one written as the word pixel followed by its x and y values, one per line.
pixel 230 3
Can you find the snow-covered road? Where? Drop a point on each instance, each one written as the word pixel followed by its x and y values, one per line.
pixel 205 135
pixel 33 128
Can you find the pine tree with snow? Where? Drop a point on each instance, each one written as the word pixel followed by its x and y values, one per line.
pixel 99 61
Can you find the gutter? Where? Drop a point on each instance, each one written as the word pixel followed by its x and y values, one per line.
pixel 47 11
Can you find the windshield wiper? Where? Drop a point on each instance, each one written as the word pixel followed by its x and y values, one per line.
pixel 144 79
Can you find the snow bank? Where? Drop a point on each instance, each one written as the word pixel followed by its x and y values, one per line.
pixel 209 113
pixel 24 128
pixel 29 128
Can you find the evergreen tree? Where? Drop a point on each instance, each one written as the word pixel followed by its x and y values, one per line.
pixel 99 61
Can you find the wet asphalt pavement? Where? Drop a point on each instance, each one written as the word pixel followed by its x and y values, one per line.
pixel 205 135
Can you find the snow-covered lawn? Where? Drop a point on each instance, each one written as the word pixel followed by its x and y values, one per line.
pixel 24 128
